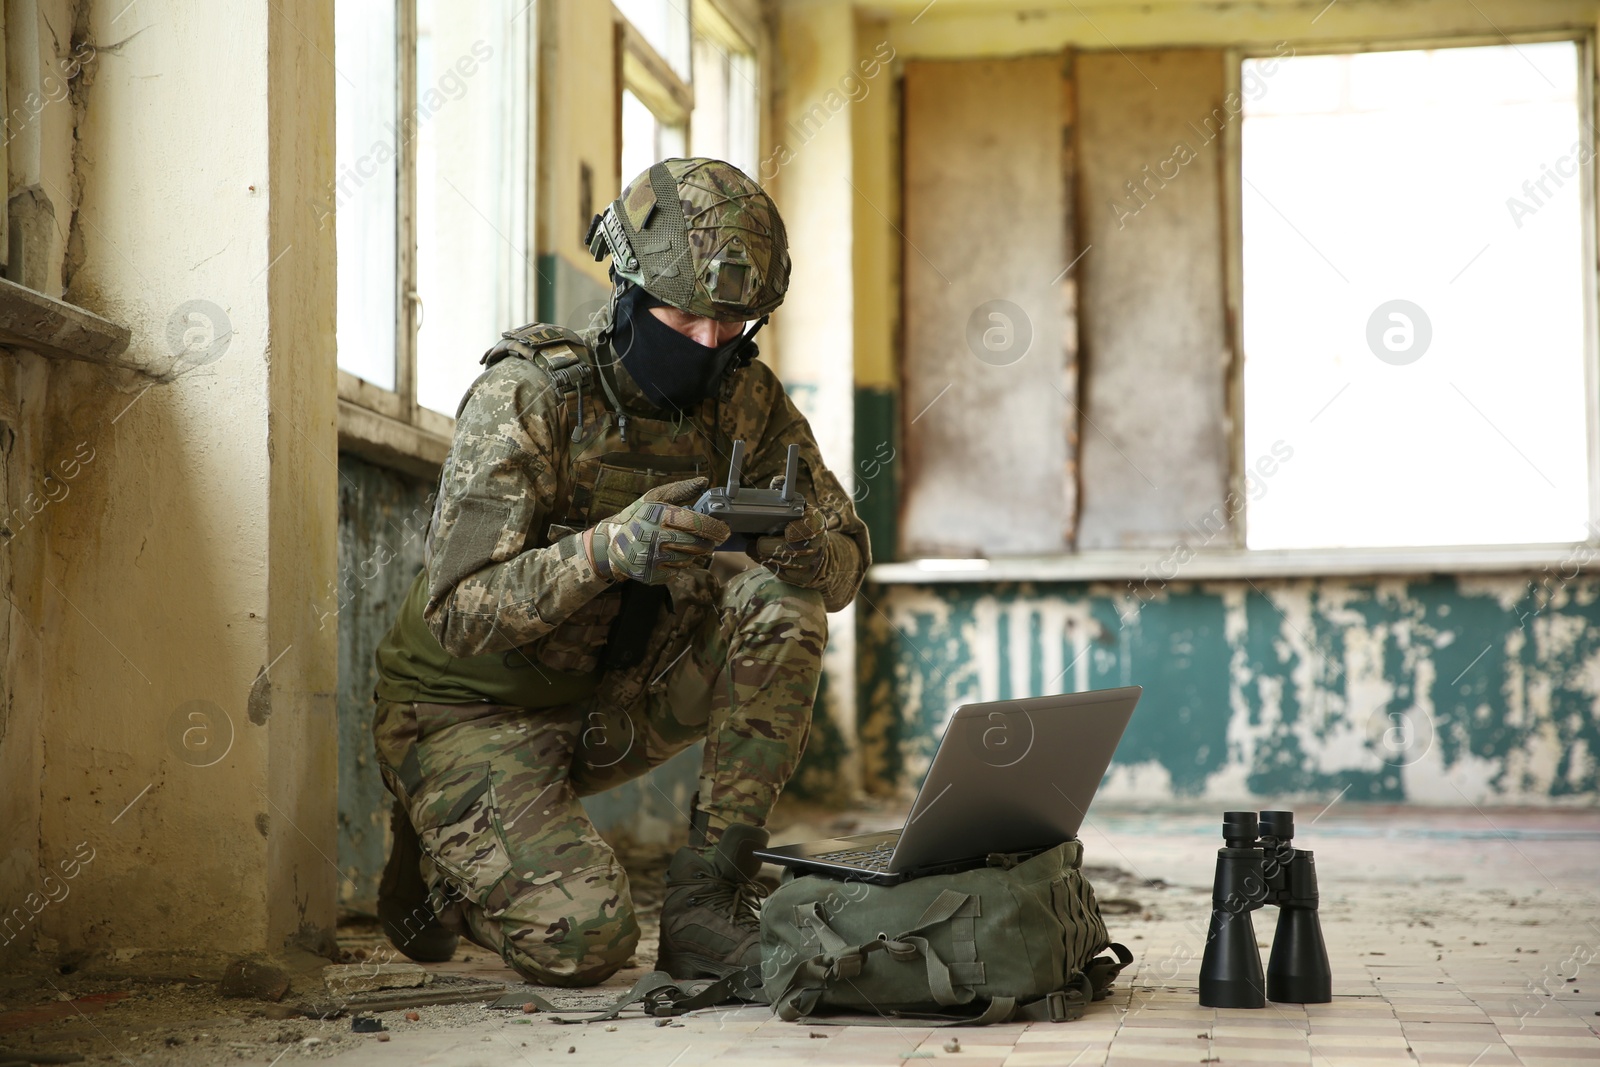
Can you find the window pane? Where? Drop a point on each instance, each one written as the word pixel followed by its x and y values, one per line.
pixel 744 110
pixel 367 104
pixel 644 139
pixel 726 103
pixel 472 194
pixel 665 25
pixel 638 136
pixel 1413 298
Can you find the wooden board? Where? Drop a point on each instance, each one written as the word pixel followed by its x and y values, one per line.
pixel 1155 350
pixel 987 411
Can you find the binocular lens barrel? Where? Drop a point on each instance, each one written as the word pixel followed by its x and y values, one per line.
pixel 1230 970
pixel 1278 824
pixel 1239 828
pixel 1297 972
pixel 1258 866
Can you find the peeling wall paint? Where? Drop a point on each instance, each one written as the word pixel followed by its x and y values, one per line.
pixel 1440 690
pixel 383 518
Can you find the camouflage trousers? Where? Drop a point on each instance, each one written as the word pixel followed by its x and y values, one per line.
pixel 509 856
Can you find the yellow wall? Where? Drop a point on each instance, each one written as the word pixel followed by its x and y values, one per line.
pixel 874 140
pixel 1001 27
pixel 195 544
pixel 577 116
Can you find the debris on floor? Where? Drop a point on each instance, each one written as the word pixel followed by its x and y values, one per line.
pixel 1431 964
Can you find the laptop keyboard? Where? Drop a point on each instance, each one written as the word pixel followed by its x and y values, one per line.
pixel 874 859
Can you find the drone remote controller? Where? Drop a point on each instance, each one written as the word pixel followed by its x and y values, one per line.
pixel 753 513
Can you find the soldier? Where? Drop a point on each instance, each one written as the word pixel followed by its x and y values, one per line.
pixel 568 633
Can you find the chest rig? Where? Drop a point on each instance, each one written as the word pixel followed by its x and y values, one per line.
pixel 612 458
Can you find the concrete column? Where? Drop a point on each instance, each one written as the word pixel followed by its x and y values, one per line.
pixel 874 135
pixel 578 125
pixel 809 174
pixel 167 609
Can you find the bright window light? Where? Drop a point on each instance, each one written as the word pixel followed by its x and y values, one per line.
pixel 665 25
pixel 726 103
pixel 361 204
pixel 1414 282
pixel 472 231
pixel 645 139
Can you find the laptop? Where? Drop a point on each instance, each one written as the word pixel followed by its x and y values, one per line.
pixel 1008 776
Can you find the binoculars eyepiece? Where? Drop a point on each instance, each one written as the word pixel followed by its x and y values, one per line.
pixel 1258 865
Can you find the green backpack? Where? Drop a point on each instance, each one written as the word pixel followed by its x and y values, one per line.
pixel 1012 940
pixel 1019 939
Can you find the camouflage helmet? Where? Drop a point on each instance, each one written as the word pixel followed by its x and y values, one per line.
pixel 698 234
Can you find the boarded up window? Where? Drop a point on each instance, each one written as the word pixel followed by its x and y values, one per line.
pixel 989 408
pixel 1155 347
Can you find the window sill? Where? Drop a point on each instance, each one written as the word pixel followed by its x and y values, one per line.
pixel 55 328
pixel 372 425
pixel 1158 565
pixel 390 442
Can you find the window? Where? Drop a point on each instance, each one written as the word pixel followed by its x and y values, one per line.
pixel 727 99
pixel 473 258
pixel 656 98
pixel 1415 346
pixel 431 198
pixel 645 138
pixel 664 25
pixel 661 117
pixel 365 196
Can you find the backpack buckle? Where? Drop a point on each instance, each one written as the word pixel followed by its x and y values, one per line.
pixel 1064 1005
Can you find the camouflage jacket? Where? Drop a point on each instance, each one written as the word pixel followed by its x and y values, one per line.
pixel 539 455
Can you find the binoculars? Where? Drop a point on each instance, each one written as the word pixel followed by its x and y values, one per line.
pixel 1257 865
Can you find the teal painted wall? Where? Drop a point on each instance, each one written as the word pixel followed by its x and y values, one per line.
pixel 383 518
pixel 877 473
pixel 565 295
pixel 1442 690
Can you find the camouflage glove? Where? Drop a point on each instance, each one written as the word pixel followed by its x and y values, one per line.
pixel 656 535
pixel 799 555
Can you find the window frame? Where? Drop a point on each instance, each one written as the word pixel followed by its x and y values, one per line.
pixel 644 72
pixel 38 319
pixel 1235 561
pixel 1233 271
pixel 390 426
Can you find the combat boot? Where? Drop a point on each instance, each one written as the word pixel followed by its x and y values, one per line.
pixel 711 919
pixel 403 908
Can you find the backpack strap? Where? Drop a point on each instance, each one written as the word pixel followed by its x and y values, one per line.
pixel 524 341
pixel 1102 971
pixel 554 350
pixel 840 961
pixel 1061 1006
pixel 657 994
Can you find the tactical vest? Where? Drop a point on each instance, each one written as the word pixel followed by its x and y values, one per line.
pixel 610 461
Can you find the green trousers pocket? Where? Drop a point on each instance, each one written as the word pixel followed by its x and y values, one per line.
pixel 458 823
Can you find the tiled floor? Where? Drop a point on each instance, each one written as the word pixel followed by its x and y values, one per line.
pixel 1455 938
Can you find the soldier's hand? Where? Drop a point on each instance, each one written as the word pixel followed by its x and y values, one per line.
pixel 797 556
pixel 657 534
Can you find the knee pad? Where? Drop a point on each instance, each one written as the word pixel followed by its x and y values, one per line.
pixel 592 937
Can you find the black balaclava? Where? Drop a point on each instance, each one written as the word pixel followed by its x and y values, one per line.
pixel 673 371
